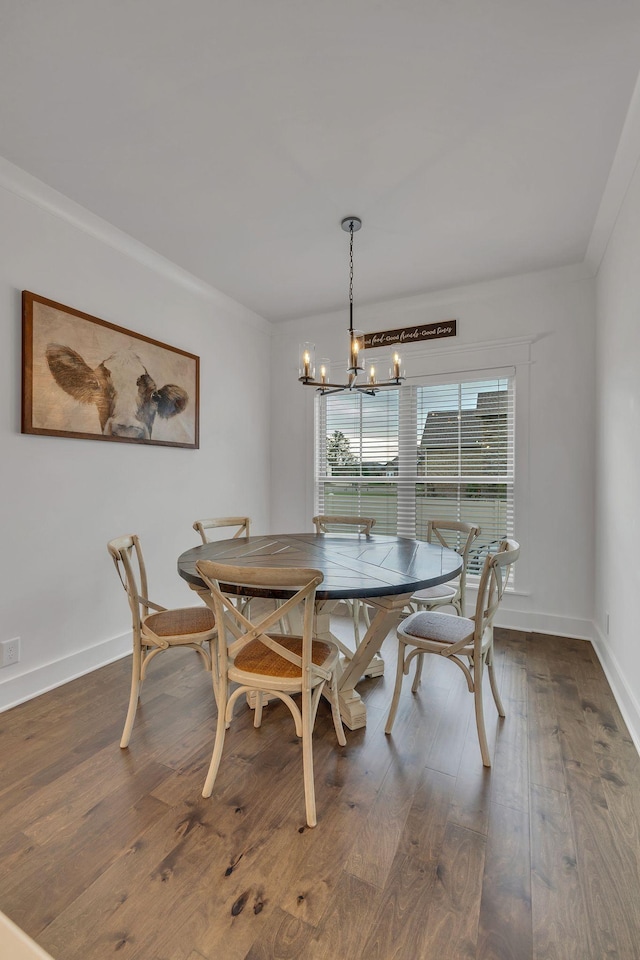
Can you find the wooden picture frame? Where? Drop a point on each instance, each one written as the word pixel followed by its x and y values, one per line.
pixel 86 378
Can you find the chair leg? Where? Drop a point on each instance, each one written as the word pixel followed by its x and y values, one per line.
pixel 494 688
pixel 397 688
pixel 335 710
pixel 204 653
pixel 214 670
pixel 477 696
pixel 307 758
pixel 418 675
pixel 136 684
pixel 257 713
pixel 221 727
pixel 494 685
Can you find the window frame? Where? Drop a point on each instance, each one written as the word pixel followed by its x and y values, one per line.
pixel 470 362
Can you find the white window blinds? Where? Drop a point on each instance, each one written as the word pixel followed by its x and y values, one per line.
pixel 441 451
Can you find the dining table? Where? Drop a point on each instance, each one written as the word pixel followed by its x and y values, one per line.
pixel 382 570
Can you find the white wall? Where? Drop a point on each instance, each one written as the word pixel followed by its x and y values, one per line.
pixel 555 311
pixel 618 458
pixel 62 499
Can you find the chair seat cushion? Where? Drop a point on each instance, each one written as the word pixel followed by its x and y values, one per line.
pixel 182 622
pixel 440 627
pixel 436 593
pixel 258 658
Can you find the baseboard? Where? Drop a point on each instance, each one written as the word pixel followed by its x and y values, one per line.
pixel 553 624
pixel 625 698
pixel 24 686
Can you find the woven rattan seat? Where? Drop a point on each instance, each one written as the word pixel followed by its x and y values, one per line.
pixel 267 663
pixel 257 658
pixel 154 632
pixel 183 621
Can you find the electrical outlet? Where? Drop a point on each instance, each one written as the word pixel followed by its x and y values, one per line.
pixel 9 652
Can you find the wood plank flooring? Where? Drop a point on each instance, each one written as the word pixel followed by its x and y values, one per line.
pixel 419 851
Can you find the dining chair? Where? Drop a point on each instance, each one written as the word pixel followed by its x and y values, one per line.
pixel 215 523
pixel 248 652
pixel 455 535
pixel 219 523
pixel 458 637
pixel 154 632
pixel 325 523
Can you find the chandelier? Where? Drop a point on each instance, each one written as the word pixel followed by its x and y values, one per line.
pixel 356 361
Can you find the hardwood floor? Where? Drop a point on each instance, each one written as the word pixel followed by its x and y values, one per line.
pixel 419 851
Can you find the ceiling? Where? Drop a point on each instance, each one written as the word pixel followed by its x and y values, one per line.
pixel 473 139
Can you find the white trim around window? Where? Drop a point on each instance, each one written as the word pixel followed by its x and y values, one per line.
pixel 468 365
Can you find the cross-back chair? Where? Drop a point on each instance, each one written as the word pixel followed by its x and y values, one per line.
pixel 325 523
pixel 215 523
pixel 154 627
pixel 250 653
pixel 455 535
pixel 242 525
pixel 458 536
pixel 466 642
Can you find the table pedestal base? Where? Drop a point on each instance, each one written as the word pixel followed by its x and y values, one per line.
pixel 365 660
pixel 375 667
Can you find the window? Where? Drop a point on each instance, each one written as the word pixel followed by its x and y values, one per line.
pixel 425 450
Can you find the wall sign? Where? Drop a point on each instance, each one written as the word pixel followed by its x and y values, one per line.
pixel 426 331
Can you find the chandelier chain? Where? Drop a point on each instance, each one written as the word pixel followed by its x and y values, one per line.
pixel 351 263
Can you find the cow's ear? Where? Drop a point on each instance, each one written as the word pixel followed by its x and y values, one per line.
pixel 71 373
pixel 171 400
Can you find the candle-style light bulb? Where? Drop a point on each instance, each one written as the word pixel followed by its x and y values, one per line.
pixel 356 351
pixel 396 366
pixel 307 354
pixel 372 374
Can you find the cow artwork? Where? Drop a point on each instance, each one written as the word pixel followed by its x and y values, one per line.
pixel 126 397
pixel 84 377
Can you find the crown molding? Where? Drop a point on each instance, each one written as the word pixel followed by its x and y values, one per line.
pixel 22 184
pixel 623 168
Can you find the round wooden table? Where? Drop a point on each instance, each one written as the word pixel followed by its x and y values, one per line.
pixel 384 570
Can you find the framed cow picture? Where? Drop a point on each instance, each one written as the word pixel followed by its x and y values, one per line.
pixel 87 378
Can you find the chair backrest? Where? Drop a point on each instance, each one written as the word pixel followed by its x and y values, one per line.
pixel 297 585
pixel 126 553
pixel 493 582
pixel 323 523
pixel 214 523
pixel 456 535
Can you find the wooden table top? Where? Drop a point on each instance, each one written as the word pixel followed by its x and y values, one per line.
pixel 353 565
